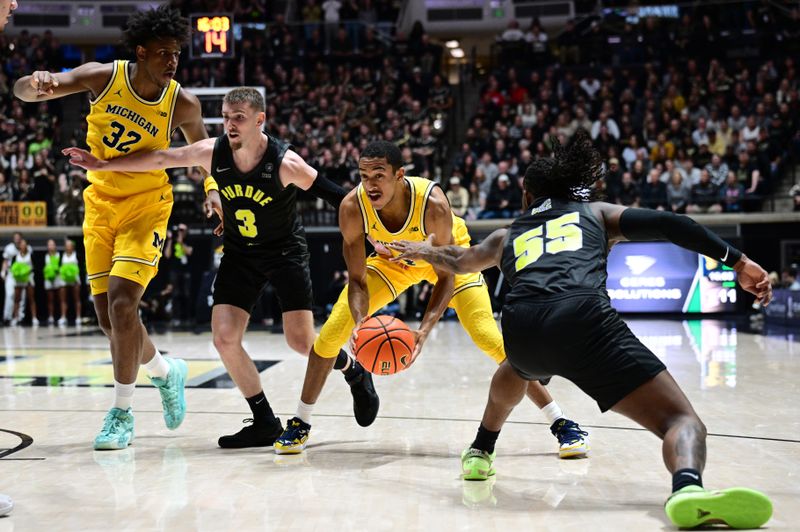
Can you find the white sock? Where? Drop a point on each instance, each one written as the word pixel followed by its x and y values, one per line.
pixel 304 412
pixel 552 412
pixel 157 367
pixel 123 395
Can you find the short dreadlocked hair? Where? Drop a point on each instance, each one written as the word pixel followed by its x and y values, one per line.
pixel 163 22
pixel 570 174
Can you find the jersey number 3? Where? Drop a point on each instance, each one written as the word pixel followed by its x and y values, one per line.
pixel 113 140
pixel 247 227
pixel 561 234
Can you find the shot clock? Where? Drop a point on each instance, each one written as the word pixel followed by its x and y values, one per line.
pixel 212 36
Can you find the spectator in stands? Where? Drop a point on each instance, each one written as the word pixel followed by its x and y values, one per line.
pixel 654 192
pixel 795 194
pixel 458 197
pixel 628 192
pixel 331 9
pixel 569 43
pixel 717 170
pixel 679 192
pixel 705 197
pixel 789 278
pixel 503 201
pixel 6 191
pixel 512 33
pixel 732 194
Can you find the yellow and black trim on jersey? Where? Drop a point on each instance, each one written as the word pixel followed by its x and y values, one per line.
pixel 128 83
pixel 114 71
pixel 385 279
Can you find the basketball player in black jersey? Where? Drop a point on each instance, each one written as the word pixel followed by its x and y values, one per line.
pixel 557 320
pixel 258 177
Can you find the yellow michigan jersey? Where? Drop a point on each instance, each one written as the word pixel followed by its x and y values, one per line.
pixel 413 229
pixel 386 280
pixel 121 123
pixel 127 212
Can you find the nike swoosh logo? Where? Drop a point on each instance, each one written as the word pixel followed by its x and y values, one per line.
pixel 259 402
pixel 727 251
pixel 223 169
pixel 691 475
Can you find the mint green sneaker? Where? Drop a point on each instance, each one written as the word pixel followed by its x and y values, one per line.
pixel 693 506
pixel 117 431
pixel 171 389
pixel 476 464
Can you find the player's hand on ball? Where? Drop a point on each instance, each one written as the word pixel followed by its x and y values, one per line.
pixel 354 335
pixel 754 279
pixel 83 158
pixel 419 338
pixel 411 250
pixel 213 205
pixel 43 82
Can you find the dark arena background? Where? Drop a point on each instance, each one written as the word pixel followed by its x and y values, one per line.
pixel 694 108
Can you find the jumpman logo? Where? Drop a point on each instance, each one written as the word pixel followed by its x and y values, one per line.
pixel 119 93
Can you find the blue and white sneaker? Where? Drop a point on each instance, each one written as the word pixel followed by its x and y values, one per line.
pixel 117 431
pixel 171 389
pixel 572 441
pixel 294 438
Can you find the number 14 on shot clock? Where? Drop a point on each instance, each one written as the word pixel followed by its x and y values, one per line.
pixel 212 36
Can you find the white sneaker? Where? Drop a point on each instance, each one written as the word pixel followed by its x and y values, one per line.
pixel 62 322
pixel 51 321
pixel 35 322
pixel 14 322
pixel 6 504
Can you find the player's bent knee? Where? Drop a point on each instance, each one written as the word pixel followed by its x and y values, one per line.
pixel 226 340
pixel 123 309
pixel 301 344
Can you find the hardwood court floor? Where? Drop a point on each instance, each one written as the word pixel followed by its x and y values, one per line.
pixel 402 473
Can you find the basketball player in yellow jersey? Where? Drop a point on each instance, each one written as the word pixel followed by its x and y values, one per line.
pixel 389 206
pixel 135 106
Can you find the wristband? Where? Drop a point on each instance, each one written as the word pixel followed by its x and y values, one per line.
pixel 209 184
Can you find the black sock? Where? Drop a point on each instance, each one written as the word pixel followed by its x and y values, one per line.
pixel 686 477
pixel 353 370
pixel 485 440
pixel 262 412
pixel 341 360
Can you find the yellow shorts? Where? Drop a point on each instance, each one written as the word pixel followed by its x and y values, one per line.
pixel 124 237
pixel 387 280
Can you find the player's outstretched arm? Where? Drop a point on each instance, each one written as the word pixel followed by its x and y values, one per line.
pixel 295 171
pixel 456 259
pixel 624 223
pixel 43 85
pixel 197 154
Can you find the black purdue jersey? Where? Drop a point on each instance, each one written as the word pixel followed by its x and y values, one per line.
pixel 556 247
pixel 258 210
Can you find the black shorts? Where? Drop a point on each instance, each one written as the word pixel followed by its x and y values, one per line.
pixel 243 274
pixel 581 338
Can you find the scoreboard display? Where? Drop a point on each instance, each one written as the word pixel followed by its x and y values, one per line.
pixel 661 277
pixel 212 36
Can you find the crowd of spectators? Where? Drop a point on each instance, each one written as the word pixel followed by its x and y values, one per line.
pixel 28 133
pixel 686 134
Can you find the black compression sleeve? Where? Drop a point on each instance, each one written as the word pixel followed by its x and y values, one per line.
pixel 327 190
pixel 646 224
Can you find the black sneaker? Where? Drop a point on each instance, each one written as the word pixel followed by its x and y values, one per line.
pixel 365 399
pixel 253 435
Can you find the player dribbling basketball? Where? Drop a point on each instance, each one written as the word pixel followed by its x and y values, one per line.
pixel 389 206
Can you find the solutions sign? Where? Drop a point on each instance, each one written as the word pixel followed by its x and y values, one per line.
pixel 661 277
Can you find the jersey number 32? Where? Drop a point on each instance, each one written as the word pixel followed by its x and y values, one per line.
pixel 561 234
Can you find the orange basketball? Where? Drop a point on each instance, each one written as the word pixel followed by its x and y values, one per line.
pixel 384 345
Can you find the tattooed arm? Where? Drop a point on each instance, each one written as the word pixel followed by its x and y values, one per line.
pixel 456 259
